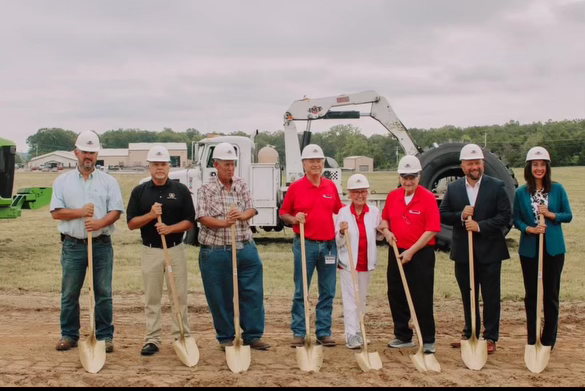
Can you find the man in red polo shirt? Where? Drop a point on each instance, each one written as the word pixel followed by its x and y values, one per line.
pixel 313 200
pixel 411 217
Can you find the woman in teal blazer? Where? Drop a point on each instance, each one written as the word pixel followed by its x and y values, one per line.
pixel 541 196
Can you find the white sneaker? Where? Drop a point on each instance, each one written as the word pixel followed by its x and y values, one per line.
pixel 353 342
pixel 361 339
pixel 429 348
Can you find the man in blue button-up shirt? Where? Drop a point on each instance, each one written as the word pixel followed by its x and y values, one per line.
pixel 86 201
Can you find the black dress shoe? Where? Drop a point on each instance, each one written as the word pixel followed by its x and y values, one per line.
pixel 149 349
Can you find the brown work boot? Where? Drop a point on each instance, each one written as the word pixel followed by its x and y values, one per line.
pixel 326 341
pixel 258 344
pixel 109 346
pixel 297 342
pixel 491 346
pixel 66 344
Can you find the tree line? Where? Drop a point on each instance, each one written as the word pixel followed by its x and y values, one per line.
pixel 565 140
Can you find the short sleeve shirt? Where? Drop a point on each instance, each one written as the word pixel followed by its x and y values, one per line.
pixel 214 200
pixel 177 205
pixel 409 222
pixel 319 203
pixel 72 191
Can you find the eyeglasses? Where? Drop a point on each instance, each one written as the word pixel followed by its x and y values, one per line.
pixel 364 191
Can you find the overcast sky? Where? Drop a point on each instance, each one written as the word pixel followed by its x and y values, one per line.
pixel 238 65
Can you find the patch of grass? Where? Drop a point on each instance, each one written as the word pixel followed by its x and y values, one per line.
pixel 30 249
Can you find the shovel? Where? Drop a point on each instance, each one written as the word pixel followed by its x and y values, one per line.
pixel 310 356
pixel 366 361
pixel 536 356
pixel 422 362
pixel 185 347
pixel 92 352
pixel 238 355
pixel 473 350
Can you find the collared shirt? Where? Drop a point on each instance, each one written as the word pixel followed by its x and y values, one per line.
pixel 362 259
pixel 72 191
pixel 472 191
pixel 214 200
pixel 177 205
pixel 320 203
pixel 409 222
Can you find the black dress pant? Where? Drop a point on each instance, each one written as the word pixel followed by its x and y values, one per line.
pixel 420 276
pixel 552 268
pixel 487 278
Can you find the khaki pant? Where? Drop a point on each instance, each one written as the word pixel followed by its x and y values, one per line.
pixel 153 273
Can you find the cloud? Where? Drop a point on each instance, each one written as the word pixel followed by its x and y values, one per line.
pixel 231 65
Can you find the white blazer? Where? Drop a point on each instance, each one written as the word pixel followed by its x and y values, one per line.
pixel 371 221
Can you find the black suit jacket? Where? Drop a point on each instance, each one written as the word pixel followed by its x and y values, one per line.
pixel 493 212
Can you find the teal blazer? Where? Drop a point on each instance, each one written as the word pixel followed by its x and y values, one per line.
pixel 558 203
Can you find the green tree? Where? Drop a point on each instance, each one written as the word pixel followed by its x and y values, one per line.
pixel 47 140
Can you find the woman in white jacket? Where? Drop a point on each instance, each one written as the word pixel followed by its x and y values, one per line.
pixel 361 220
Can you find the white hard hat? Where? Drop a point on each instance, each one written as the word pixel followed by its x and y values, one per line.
pixel 409 164
pixel 224 151
pixel 471 152
pixel 357 181
pixel 88 141
pixel 537 153
pixel 158 153
pixel 312 151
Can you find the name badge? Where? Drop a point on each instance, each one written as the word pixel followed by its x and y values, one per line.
pixel 329 259
pixel 414 212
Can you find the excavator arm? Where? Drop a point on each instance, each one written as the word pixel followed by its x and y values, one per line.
pixel 320 108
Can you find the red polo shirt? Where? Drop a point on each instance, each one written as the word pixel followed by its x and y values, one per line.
pixel 362 261
pixel 318 202
pixel 409 222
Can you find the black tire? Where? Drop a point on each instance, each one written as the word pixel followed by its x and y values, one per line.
pixel 443 162
pixel 192 236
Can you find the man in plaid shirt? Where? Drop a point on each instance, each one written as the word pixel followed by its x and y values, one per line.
pixel 224 201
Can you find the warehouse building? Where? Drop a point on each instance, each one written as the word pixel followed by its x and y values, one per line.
pixel 358 163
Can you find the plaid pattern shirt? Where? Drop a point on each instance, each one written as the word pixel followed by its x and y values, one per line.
pixel 214 200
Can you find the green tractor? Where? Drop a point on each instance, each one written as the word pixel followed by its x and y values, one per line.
pixel 26 198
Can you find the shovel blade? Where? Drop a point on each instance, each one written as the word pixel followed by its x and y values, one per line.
pixel 418 359
pixel 474 353
pixel 310 358
pixel 368 361
pixel 238 357
pixel 536 357
pixel 431 363
pixel 187 351
pixel 92 354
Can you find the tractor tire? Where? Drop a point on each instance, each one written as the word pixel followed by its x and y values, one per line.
pixel 441 164
pixel 192 236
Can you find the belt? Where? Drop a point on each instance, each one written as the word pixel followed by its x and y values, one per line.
pixel 101 239
pixel 169 244
pixel 227 247
pixel 316 241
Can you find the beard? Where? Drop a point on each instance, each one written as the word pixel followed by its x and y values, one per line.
pixel 475 174
pixel 88 164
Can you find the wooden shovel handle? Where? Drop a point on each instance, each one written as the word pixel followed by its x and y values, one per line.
pixel 471 281
pixel 171 280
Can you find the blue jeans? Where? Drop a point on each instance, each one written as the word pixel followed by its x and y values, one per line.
pixel 216 272
pixel 74 266
pixel 315 254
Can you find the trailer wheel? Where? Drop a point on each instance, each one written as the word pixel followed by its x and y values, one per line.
pixel 441 166
pixel 192 236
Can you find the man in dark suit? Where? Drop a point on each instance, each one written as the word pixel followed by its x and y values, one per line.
pixel 484 198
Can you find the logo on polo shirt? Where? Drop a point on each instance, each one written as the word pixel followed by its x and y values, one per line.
pixel 327 196
pixel 171 196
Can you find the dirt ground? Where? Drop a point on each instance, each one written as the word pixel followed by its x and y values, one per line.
pixel 29 330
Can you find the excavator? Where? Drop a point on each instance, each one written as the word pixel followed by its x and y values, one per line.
pixel 440 164
pixel 25 198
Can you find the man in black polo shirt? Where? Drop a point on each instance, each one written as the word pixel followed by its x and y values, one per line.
pixel 172 201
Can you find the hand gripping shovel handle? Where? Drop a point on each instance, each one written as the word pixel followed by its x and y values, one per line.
pixel 172 281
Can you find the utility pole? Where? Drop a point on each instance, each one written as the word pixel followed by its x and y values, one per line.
pixel 397 156
pixel 485 139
